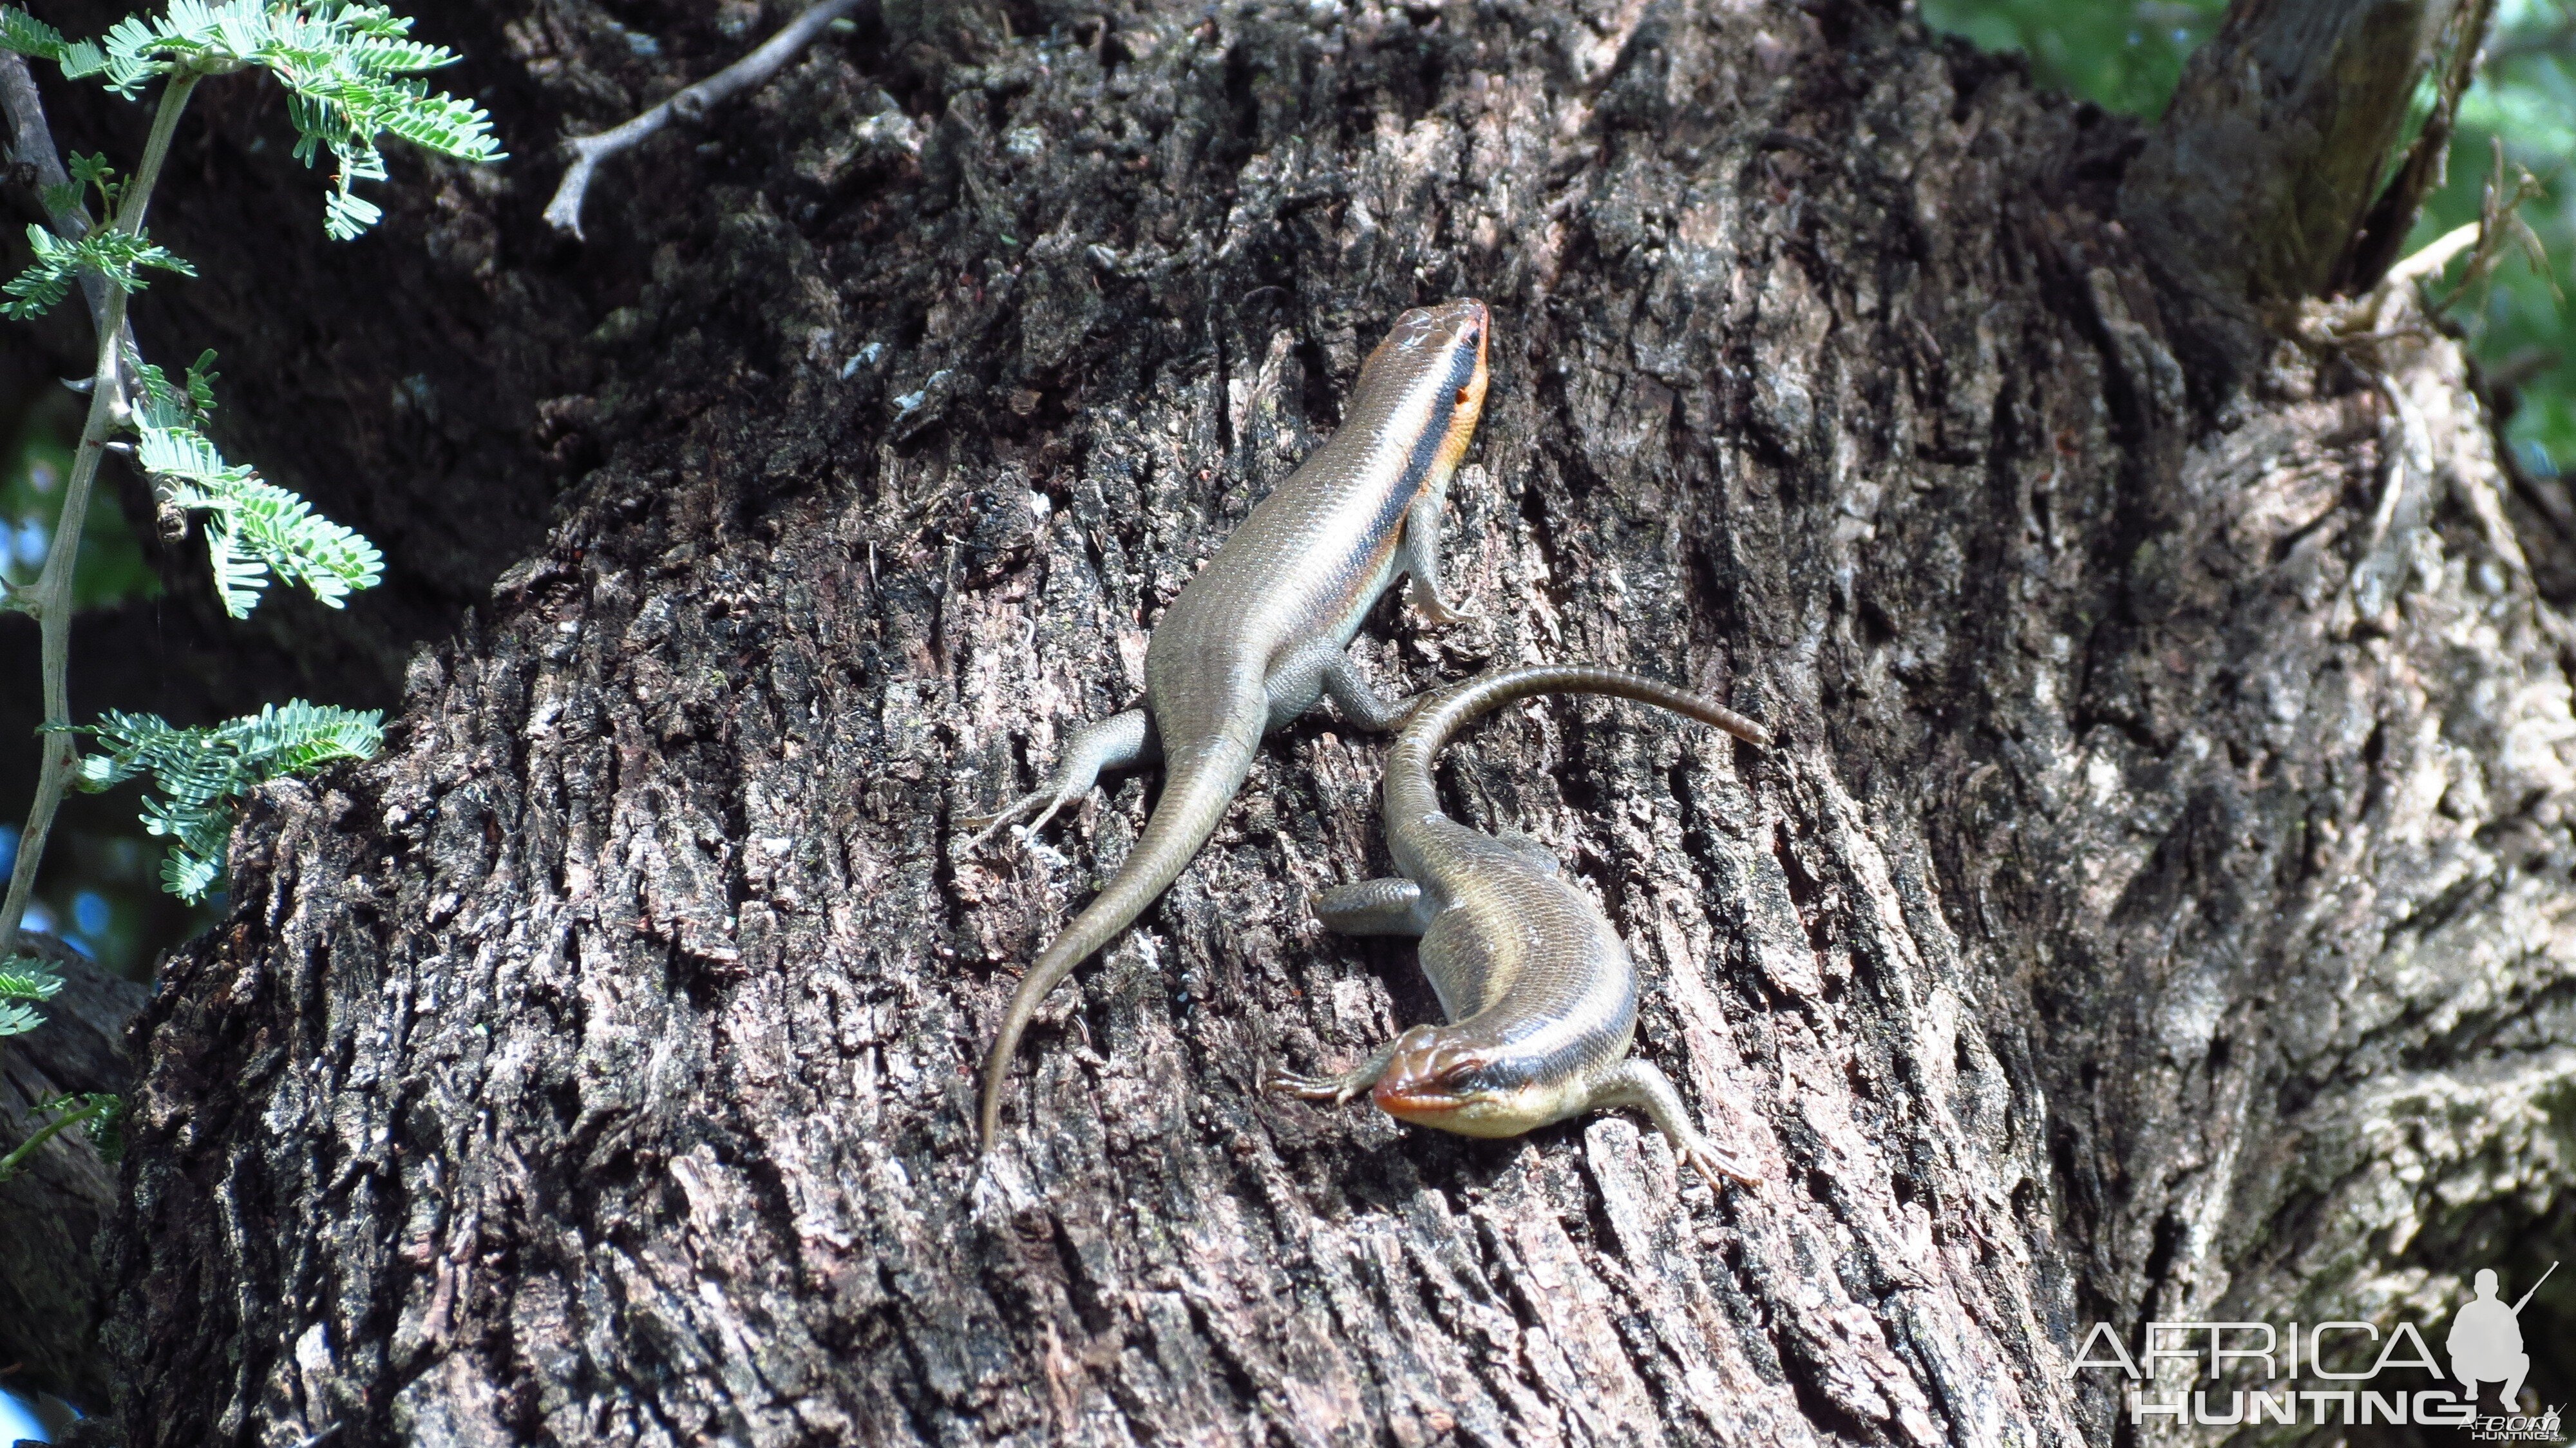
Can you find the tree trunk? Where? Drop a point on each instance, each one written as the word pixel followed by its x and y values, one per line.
pixel 64 1194
pixel 2157 906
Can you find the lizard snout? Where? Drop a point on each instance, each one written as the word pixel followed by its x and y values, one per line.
pixel 1427 1079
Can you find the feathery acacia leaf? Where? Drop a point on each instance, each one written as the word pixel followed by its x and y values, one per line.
pixel 199 772
pixel 88 173
pixel 25 34
pixel 102 1117
pixel 24 978
pixel 348 70
pixel 119 256
pixel 283 532
pixel 256 529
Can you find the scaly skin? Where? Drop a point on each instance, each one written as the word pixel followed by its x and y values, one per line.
pixel 1539 989
pixel 1260 634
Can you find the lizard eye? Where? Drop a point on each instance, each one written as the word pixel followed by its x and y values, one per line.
pixel 1462 396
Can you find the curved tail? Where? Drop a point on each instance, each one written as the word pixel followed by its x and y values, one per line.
pixel 1410 794
pixel 1197 786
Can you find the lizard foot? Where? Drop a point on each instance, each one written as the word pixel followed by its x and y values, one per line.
pixel 1719 1166
pixel 1114 742
pixel 986 826
pixel 1441 615
pixel 1338 1090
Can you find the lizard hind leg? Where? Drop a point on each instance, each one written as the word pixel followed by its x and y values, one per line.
pixel 1324 668
pixel 1637 1083
pixel 1115 742
pixel 1361 703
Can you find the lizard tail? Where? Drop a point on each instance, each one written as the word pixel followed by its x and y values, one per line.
pixel 1196 789
pixel 1409 790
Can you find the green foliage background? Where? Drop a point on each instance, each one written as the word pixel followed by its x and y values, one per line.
pixel 2126 55
pixel 352 77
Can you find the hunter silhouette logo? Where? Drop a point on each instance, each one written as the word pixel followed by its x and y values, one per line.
pixel 2486 1347
pixel 2486 1340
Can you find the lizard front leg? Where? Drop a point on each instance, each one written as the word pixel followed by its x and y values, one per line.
pixel 1338 1089
pixel 1391 906
pixel 1417 555
pixel 1637 1083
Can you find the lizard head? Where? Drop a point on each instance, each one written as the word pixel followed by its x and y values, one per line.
pixel 1438 354
pixel 1435 1082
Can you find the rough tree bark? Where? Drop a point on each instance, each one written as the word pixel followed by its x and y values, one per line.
pixel 2157 908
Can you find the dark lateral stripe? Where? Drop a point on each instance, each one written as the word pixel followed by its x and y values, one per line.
pixel 1426 448
pixel 1375 540
pixel 1549 1048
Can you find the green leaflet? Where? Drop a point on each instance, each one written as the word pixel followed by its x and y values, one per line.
pixel 22 979
pixel 102 1117
pixel 25 34
pixel 349 71
pixel 116 255
pixel 254 528
pixel 88 173
pixel 25 978
pixel 199 772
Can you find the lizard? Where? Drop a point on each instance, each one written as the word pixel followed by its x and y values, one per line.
pixel 1264 630
pixel 1539 989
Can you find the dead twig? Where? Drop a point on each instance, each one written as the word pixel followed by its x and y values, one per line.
pixel 564 211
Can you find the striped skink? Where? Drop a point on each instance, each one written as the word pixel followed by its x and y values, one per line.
pixel 1539 989
pixel 1263 630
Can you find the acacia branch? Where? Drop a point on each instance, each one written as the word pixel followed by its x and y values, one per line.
pixel 51 598
pixel 31 145
pixel 88 1111
pixel 564 211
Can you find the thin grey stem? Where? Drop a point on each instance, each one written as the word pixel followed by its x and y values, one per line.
pixel 51 598
pixel 31 144
pixel 31 141
pixel 564 211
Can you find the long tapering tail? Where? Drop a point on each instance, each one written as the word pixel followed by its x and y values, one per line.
pixel 1410 793
pixel 1197 786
